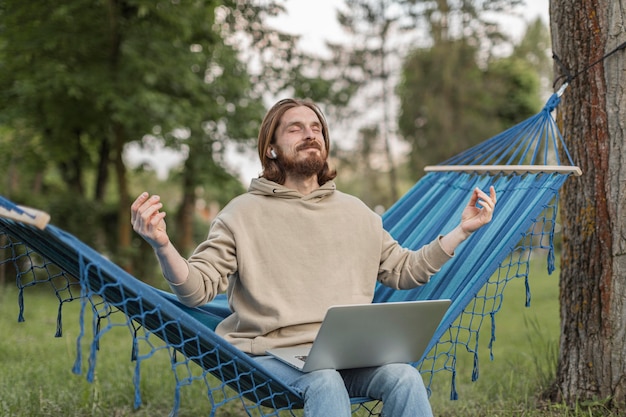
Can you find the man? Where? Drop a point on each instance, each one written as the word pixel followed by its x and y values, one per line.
pixel 292 247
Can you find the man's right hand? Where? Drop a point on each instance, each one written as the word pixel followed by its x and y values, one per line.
pixel 148 221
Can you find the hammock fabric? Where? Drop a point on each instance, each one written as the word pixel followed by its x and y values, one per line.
pixel 522 163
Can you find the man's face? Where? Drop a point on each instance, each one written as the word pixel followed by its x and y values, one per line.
pixel 300 142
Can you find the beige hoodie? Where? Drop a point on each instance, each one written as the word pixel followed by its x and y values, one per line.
pixel 284 258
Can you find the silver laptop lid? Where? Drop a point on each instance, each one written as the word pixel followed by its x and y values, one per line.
pixel 356 336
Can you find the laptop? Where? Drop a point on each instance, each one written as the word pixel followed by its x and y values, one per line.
pixel 364 335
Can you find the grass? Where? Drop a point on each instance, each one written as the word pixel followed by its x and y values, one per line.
pixel 524 352
pixel 37 379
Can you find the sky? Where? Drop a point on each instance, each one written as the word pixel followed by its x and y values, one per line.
pixel 316 23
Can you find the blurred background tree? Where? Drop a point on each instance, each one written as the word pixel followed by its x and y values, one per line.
pixel 431 79
pixel 78 92
pixel 78 88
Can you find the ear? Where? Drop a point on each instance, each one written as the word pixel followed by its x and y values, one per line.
pixel 271 153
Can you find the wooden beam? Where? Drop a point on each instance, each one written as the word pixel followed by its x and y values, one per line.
pixel 506 169
pixel 27 215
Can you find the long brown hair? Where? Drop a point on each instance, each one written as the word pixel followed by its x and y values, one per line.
pixel 272 168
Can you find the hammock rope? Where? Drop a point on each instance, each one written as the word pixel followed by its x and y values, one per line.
pixel 569 77
pixel 474 279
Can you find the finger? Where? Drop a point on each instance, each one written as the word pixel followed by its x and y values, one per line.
pixel 492 193
pixel 148 213
pixel 481 198
pixel 474 197
pixel 157 220
pixel 486 203
pixel 136 204
pixel 154 224
pixel 488 200
pixel 149 203
pixel 140 200
pixel 145 212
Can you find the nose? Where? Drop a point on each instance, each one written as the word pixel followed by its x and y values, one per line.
pixel 309 132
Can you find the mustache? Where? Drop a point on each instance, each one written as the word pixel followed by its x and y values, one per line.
pixel 309 144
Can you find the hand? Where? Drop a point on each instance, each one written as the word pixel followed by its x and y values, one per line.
pixel 148 221
pixel 479 210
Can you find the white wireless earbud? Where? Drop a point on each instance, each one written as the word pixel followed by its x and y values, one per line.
pixel 273 154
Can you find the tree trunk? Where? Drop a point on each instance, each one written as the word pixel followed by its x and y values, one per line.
pixel 124 229
pixel 185 214
pixel 102 174
pixel 384 78
pixel 592 359
pixel 71 169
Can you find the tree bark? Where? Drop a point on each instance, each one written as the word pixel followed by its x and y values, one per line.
pixel 592 358
pixel 102 173
pixel 124 229
pixel 185 215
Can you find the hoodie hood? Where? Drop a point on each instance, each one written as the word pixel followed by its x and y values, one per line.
pixel 262 186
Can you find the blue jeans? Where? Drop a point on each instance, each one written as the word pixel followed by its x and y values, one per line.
pixel 327 392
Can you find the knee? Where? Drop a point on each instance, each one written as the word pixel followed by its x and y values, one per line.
pixel 410 373
pixel 320 382
pixel 326 380
pixel 406 378
pixel 401 370
pixel 405 393
pixel 324 394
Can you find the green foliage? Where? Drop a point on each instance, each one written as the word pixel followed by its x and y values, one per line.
pixel 446 102
pixel 514 87
pixel 450 101
pixel 534 48
pixel 81 80
pixel 87 77
pixel 438 95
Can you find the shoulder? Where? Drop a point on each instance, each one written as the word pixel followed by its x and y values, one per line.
pixel 239 205
pixel 351 200
pixel 355 208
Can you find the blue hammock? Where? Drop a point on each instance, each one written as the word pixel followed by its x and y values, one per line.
pixel 522 163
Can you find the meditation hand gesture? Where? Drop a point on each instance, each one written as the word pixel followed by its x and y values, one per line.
pixel 148 221
pixel 478 211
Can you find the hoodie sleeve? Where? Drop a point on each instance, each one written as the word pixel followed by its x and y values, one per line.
pixel 402 268
pixel 210 266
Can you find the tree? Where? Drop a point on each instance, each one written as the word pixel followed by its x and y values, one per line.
pixel 450 100
pixel 374 24
pixel 361 167
pixel 592 358
pixel 535 48
pixel 87 86
pixel 384 33
pixel 251 61
pixel 86 78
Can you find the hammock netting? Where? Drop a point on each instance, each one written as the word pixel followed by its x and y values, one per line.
pixel 523 165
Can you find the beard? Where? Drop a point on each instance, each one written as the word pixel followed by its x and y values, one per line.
pixel 303 168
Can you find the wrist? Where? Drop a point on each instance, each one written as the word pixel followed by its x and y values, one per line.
pixel 162 249
pixel 450 241
pixel 465 233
